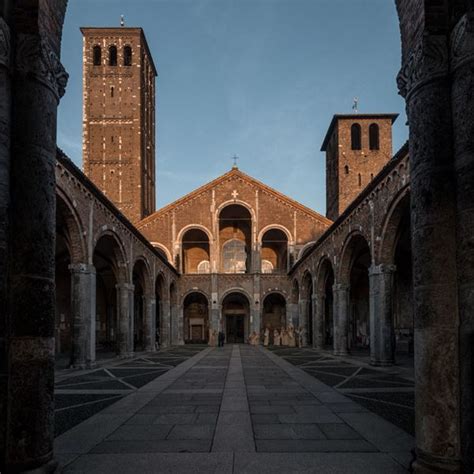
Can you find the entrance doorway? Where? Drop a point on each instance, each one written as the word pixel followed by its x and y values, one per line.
pixel 235 318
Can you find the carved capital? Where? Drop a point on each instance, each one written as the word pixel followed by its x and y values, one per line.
pixel 428 62
pixel 35 58
pixel 5 45
pixel 462 42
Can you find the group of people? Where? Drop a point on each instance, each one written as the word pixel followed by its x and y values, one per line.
pixel 286 336
pixel 216 338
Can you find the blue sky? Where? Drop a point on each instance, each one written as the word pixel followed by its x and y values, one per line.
pixel 256 78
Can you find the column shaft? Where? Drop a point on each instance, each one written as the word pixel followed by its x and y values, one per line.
pixel 381 315
pixel 125 302
pixel 341 319
pixel 83 308
pixel 149 323
pixel 318 321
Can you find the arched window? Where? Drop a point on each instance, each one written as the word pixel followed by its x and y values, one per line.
pixel 360 180
pixel 374 143
pixel 234 256
pixel 113 56
pixel 97 55
pixel 267 266
pixel 356 141
pixel 204 267
pixel 127 56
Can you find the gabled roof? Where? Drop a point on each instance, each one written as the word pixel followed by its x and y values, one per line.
pixel 234 173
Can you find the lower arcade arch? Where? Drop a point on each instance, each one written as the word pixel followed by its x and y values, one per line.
pixel 273 313
pixel 307 307
pixel 235 321
pixel 106 259
pixel 325 294
pixel 196 318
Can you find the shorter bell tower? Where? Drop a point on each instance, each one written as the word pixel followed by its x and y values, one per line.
pixel 357 147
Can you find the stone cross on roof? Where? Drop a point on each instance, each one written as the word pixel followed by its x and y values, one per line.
pixel 235 158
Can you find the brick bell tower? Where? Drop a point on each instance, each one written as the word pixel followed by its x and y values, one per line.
pixel 119 117
pixel 357 147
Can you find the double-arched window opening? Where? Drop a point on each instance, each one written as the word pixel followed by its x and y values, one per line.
pixel 113 55
pixel 96 55
pixel 127 56
pixel 374 137
pixel 356 137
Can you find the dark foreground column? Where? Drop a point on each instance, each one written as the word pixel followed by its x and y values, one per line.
pixel 381 315
pixel 39 81
pixel 462 68
pixel 165 324
pixel 341 318
pixel 83 306
pixel 149 306
pixel 425 82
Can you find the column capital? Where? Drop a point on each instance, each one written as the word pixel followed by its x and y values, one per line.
pixel 35 58
pixel 5 45
pixel 340 287
pixel 382 268
pixel 427 62
pixel 85 268
pixel 125 286
pixel 462 42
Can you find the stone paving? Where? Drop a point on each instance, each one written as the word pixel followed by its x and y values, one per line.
pixel 237 409
pixel 81 394
pixel 387 391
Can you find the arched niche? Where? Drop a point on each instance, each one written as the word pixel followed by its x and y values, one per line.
pixel 274 251
pixel 195 250
pixel 196 318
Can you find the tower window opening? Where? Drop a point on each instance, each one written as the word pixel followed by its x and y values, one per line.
pixel 113 56
pixel 356 141
pixel 127 56
pixel 374 137
pixel 346 169
pixel 112 91
pixel 360 180
pixel 96 55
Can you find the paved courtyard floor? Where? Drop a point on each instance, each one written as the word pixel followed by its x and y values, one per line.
pixel 237 409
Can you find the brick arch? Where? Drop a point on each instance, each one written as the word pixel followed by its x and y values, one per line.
pixel 237 202
pixel 160 247
pixel 306 247
pixel 323 270
pixel 120 264
pixel 145 273
pixel 236 289
pixel 191 227
pixel 307 277
pixel 390 227
pixel 74 234
pixel 194 290
pixel 275 226
pixel 346 257
pixel 273 291
pixel 160 282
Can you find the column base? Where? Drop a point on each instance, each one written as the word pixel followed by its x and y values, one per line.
pixel 47 468
pixel 382 363
pixel 341 353
pixel 425 464
pixel 126 355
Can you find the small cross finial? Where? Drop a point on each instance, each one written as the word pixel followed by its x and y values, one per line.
pixel 235 158
pixel 122 20
pixel 355 105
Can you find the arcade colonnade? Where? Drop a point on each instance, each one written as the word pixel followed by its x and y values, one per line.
pixel 436 81
pixel 114 291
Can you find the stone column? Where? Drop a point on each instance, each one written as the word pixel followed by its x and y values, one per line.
pixel 302 314
pixel 214 310
pixel 382 337
pixel 38 83
pixel 83 307
pixel 462 69
pixel 125 302
pixel 318 320
pixel 174 337
pixel 180 324
pixel 292 315
pixel 425 83
pixel 5 116
pixel 256 306
pixel 165 322
pixel 341 318
pixel 149 303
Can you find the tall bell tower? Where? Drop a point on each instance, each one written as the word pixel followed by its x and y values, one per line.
pixel 119 117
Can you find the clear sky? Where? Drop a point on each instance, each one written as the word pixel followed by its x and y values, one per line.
pixel 256 78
